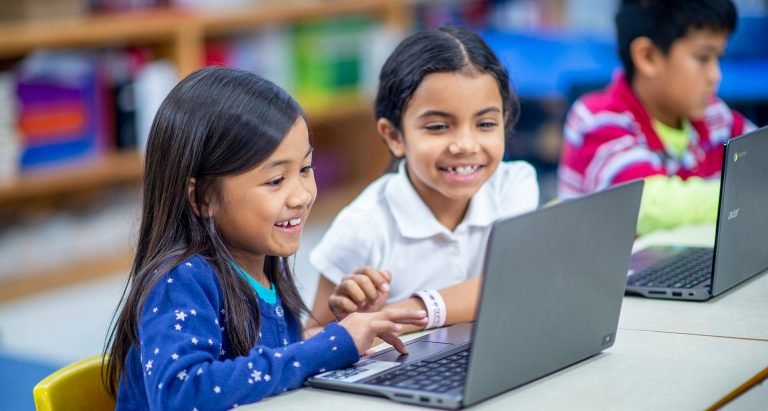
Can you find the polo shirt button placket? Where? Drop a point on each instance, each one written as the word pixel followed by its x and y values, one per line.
pixel 456 251
pixel 459 276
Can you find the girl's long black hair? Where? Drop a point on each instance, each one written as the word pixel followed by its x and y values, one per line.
pixel 447 49
pixel 216 122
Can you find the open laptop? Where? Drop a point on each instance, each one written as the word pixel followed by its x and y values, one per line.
pixel 551 296
pixel 698 273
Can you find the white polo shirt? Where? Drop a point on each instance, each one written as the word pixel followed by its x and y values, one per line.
pixel 389 227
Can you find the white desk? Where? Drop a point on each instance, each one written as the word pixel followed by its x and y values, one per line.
pixel 643 370
pixel 658 361
pixel 740 312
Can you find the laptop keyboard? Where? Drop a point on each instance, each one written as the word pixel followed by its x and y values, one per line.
pixel 685 270
pixel 437 375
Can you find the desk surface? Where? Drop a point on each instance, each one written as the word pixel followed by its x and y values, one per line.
pixel 643 370
pixel 658 361
pixel 741 312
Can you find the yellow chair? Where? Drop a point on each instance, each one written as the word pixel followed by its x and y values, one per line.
pixel 74 387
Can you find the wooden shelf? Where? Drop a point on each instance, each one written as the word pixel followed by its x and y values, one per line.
pixel 341 108
pixel 180 36
pixel 176 35
pixel 273 13
pixel 97 267
pixel 97 173
pixel 17 39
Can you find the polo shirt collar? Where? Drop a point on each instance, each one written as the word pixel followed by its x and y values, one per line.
pixel 415 220
pixel 622 91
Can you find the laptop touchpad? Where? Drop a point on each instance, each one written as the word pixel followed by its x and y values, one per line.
pixel 416 351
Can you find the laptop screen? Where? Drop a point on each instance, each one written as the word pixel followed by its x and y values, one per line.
pixel 742 228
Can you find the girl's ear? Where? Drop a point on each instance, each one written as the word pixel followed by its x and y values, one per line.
pixel 192 198
pixel 392 137
pixel 646 57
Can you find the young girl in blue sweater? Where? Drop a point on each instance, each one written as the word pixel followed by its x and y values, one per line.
pixel 210 315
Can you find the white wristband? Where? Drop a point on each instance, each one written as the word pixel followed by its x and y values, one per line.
pixel 435 306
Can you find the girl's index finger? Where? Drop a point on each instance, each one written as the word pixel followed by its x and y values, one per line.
pixel 395 341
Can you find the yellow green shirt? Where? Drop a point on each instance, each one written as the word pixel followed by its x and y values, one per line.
pixel 669 201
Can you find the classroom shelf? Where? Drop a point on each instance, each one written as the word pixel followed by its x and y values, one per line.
pixel 120 167
pixel 349 106
pixel 177 35
pixel 394 14
pixel 17 39
pixel 124 167
pixel 101 171
pixel 180 36
pixel 96 267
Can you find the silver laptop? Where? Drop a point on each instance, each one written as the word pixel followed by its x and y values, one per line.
pixel 741 236
pixel 552 291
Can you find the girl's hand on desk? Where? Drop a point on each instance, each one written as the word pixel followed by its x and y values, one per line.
pixel 365 290
pixel 364 327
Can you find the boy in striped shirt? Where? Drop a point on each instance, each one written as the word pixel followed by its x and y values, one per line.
pixel 660 120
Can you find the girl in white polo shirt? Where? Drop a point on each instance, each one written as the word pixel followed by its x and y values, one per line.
pixel 417 235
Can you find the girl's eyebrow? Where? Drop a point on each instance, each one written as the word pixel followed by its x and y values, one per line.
pixel 430 113
pixel 278 163
pixel 491 109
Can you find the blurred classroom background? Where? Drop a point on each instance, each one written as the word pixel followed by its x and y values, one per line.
pixel 80 81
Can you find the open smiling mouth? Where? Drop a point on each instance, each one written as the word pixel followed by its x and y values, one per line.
pixel 462 170
pixel 289 224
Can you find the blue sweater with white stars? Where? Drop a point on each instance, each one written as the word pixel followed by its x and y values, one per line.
pixel 183 361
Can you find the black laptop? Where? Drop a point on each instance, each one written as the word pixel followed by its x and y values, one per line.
pixel 741 237
pixel 552 291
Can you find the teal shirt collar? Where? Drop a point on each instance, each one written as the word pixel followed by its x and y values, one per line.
pixel 269 295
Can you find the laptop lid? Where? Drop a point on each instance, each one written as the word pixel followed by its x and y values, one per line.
pixel 742 228
pixel 553 285
pixel 552 291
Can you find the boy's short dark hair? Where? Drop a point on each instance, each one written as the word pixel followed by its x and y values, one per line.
pixel 664 21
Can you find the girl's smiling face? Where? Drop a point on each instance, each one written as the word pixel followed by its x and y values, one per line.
pixel 262 211
pixel 452 136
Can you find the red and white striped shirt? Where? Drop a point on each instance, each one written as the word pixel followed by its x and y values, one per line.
pixel 609 139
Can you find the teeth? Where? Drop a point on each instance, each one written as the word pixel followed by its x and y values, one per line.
pixel 289 223
pixel 463 170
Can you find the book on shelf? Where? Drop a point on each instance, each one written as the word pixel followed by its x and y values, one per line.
pixel 321 62
pixel 267 52
pixel 122 68
pixel 329 58
pixel 63 113
pixel 153 82
pixel 37 10
pixel 60 107
pixel 207 5
pixel 9 134
pixel 121 6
